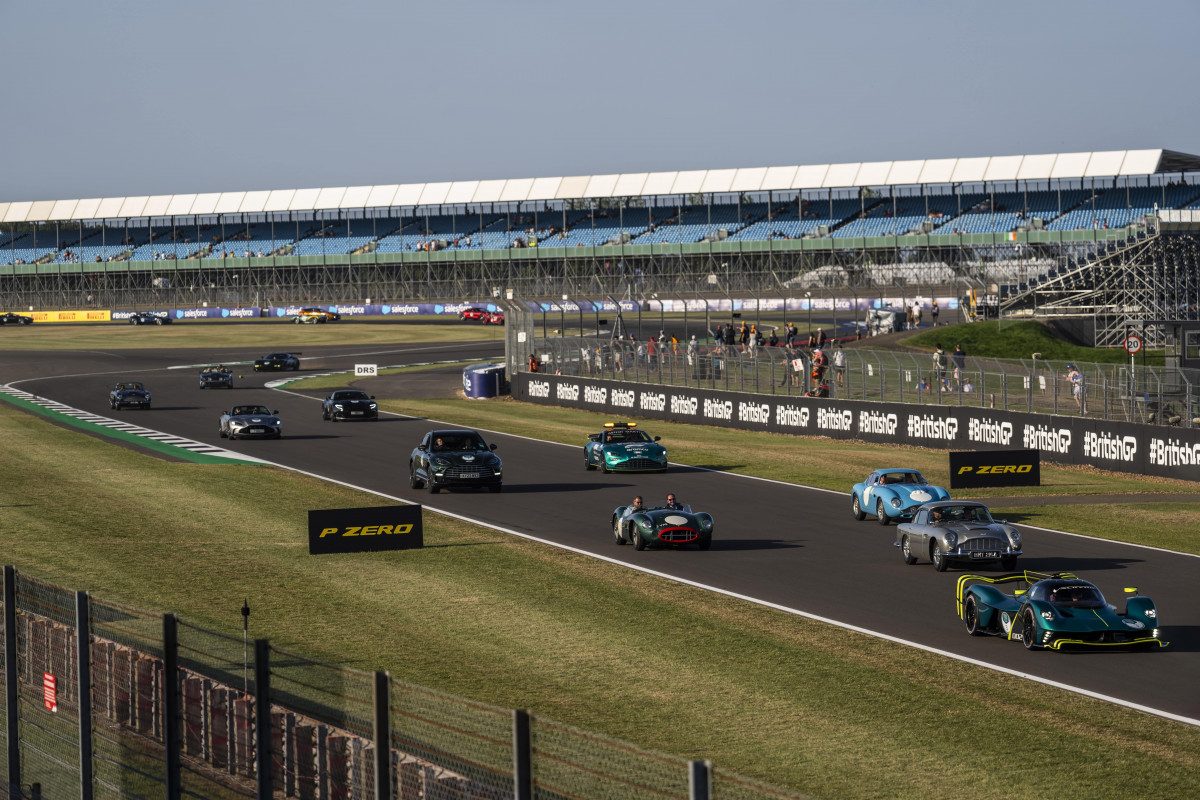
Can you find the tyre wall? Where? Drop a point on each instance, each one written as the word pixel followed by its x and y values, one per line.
pixel 1119 446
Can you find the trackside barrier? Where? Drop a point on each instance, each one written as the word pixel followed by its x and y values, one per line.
pixel 103 700
pixel 1168 452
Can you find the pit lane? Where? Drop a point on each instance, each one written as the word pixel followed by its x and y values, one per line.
pixel 790 547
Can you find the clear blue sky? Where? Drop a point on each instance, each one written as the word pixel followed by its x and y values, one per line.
pixel 132 97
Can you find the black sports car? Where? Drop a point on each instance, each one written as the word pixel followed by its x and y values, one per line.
pixel 273 362
pixel 129 393
pixel 9 318
pixel 450 459
pixel 216 378
pixel 250 422
pixel 149 318
pixel 349 404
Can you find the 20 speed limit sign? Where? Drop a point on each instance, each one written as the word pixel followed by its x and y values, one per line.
pixel 1133 344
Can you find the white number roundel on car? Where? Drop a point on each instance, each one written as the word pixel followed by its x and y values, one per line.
pixel 920 495
pixel 675 519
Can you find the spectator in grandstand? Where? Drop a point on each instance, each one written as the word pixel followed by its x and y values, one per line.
pixel 960 360
pixel 939 364
pixel 839 363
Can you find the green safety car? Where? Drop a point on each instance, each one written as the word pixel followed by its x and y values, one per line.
pixel 621 447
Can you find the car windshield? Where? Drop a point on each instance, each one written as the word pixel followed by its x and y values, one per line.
pixel 246 411
pixel 350 394
pixel 447 442
pixel 130 385
pixel 901 477
pixel 627 436
pixel 276 356
pixel 943 514
pixel 214 371
pixel 1076 595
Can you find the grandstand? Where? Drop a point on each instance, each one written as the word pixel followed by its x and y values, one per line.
pixel 1060 222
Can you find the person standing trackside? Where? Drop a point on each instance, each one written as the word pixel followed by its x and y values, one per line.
pixel 933 312
pixel 839 363
pixel 939 365
pixel 960 360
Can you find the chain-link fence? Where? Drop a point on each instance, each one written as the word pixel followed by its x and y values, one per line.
pixel 1123 392
pixel 152 706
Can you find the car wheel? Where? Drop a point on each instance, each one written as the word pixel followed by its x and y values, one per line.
pixel 588 465
pixel 495 487
pixel 431 486
pixel 413 481
pixel 604 466
pixel 940 562
pixel 909 558
pixel 1029 630
pixel 704 544
pixel 1008 564
pixel 617 532
pixel 638 542
pixel 158 321
pixel 324 415
pixel 297 320
pixel 881 514
pixel 856 509
pixel 220 433
pixel 971 617
pixel 111 404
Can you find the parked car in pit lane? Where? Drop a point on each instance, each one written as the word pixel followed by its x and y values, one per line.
pixel 956 531
pixel 661 527
pixel 150 318
pixel 315 316
pixel 893 494
pixel 277 362
pixel 621 447
pixel 219 377
pixel 472 314
pixel 250 422
pixel 349 404
pixel 492 318
pixel 132 394
pixel 1055 611
pixel 452 459
pixel 9 318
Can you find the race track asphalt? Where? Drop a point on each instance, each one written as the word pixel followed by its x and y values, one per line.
pixel 793 547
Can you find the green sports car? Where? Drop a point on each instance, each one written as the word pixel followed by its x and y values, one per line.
pixel 662 526
pixel 1056 611
pixel 621 447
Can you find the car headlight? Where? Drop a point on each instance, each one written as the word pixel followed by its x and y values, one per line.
pixel 895 501
pixel 951 540
pixel 706 523
pixel 338 406
pixel 1152 613
pixel 1047 615
pixel 374 406
pixel 1015 538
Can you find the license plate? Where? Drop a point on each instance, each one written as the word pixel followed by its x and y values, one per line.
pixel 468 475
pixel 356 413
pixel 985 555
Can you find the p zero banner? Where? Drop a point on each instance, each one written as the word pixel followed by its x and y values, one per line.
pixel 976 469
pixel 1118 446
pixel 365 530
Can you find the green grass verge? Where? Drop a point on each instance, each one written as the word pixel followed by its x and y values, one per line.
pixel 499 619
pixel 271 335
pixel 1019 340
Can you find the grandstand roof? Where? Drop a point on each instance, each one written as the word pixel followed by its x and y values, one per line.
pixel 1050 166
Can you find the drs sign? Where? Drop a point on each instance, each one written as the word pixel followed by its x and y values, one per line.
pixel 365 370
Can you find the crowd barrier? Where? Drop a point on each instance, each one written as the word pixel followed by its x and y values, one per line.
pixel 101 700
pixel 1063 439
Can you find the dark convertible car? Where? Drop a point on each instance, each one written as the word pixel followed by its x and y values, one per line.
pixel 453 459
pixel 129 393
pixel 273 362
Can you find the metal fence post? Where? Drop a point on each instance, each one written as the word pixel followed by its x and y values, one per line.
pixel 83 667
pixel 522 756
pixel 699 780
pixel 172 738
pixel 10 681
pixel 262 717
pixel 383 736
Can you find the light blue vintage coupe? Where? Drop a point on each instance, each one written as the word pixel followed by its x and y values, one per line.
pixel 892 495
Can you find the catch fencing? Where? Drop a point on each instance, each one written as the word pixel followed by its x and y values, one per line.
pixel 102 700
pixel 1114 392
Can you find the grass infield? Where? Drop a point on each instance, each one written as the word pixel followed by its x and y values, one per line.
pixel 510 622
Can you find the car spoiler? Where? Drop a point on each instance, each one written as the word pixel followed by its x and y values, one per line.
pixel 1027 577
